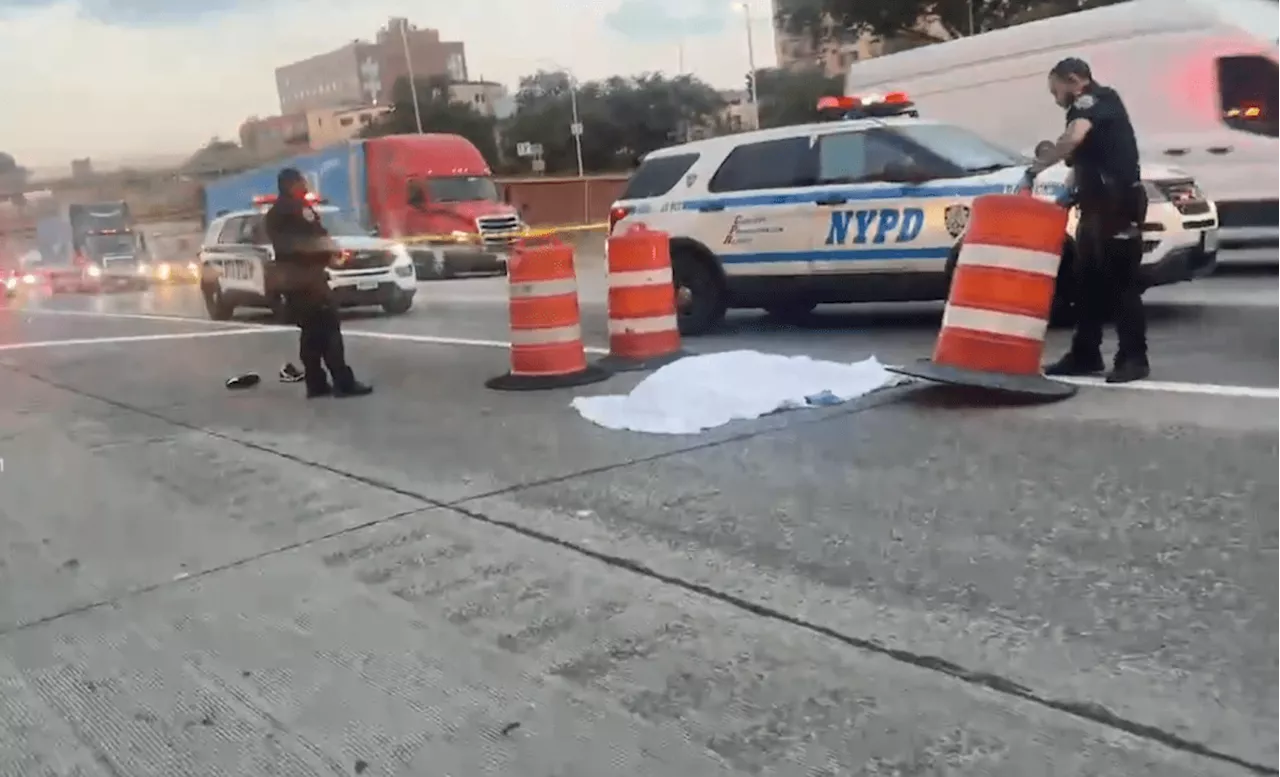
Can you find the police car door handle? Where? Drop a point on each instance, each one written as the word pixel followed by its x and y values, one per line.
pixel 1219 150
pixel 708 207
pixel 1176 151
pixel 832 199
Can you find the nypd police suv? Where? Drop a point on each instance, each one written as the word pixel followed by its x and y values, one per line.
pixel 869 208
pixel 237 266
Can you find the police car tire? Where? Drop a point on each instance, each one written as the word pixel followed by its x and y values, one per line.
pixel 216 304
pixel 709 301
pixel 398 305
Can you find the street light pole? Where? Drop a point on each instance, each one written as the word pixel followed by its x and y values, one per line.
pixel 751 63
pixel 413 84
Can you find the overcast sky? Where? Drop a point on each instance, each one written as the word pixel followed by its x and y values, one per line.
pixel 131 78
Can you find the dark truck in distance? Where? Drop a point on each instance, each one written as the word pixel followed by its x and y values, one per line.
pixel 91 247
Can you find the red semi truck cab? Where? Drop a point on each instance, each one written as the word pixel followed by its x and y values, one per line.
pixel 440 186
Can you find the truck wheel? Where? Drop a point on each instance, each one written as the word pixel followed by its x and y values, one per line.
pixel 216 304
pixel 701 298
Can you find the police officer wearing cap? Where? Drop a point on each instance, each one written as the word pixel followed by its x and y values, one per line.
pixel 1100 146
pixel 303 251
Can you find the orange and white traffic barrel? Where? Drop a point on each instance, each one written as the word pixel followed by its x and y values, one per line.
pixel 546 323
pixel 997 312
pixel 643 329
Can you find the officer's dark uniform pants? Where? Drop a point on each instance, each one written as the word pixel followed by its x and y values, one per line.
pixel 1108 258
pixel 320 343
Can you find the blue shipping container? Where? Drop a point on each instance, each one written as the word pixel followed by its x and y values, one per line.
pixel 336 174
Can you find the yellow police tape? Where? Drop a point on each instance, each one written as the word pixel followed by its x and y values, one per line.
pixel 458 238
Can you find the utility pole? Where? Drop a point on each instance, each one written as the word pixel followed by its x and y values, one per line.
pixel 751 63
pixel 413 83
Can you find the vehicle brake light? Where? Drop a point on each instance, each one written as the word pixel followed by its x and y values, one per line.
pixel 1246 111
pixel 616 214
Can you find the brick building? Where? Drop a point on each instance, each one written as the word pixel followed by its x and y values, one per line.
pixel 363 73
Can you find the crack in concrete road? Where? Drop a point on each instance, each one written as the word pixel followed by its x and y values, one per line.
pixel 1085 710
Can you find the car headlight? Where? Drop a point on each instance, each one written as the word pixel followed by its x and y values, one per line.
pixel 29 279
pixel 461 237
pixel 93 271
pixel 143 268
pixel 11 283
pixel 193 268
pixel 163 272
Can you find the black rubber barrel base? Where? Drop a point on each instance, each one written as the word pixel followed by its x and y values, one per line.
pixel 1023 386
pixel 510 382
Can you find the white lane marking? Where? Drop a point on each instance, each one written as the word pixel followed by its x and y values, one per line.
pixel 443 340
pixel 1201 389
pixel 129 339
pixel 136 317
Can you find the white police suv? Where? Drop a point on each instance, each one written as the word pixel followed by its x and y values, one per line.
pixel 869 208
pixel 237 266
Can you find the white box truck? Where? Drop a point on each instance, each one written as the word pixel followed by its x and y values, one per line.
pixel 1199 78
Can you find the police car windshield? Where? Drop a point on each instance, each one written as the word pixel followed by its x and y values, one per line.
pixel 965 149
pixel 464 188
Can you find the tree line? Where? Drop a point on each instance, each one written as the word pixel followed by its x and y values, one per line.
pixel 624 118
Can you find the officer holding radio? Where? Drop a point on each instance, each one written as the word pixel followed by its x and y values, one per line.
pixel 1100 146
pixel 303 251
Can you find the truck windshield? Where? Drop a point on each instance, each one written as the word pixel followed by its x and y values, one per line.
pixel 468 188
pixel 110 245
pixel 961 147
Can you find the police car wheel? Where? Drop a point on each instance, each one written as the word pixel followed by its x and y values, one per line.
pixel 216 304
pixel 398 305
pixel 700 296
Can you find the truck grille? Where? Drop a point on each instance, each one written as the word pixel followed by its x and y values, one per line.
pixel 367 260
pixel 498 231
pixel 1185 196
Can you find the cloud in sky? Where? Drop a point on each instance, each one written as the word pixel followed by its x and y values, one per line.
pixel 124 78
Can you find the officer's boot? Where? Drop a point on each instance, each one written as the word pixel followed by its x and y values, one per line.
pixel 1077 362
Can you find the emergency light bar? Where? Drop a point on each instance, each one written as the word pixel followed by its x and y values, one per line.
pixel 868 106
pixel 269 199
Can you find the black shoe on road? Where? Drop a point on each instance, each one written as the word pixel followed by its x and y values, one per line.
pixel 291 374
pixel 356 389
pixel 1074 365
pixel 1129 371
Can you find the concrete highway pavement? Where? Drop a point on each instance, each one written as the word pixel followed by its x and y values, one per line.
pixel 441 579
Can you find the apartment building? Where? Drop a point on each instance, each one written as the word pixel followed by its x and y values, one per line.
pixel 326 126
pixel 363 73
pixel 485 97
pixel 273 135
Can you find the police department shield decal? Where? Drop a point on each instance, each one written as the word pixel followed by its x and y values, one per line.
pixel 957 218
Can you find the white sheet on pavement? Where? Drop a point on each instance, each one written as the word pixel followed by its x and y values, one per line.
pixel 697 393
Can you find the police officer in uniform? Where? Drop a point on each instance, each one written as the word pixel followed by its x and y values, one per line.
pixel 1100 146
pixel 303 251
